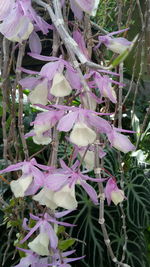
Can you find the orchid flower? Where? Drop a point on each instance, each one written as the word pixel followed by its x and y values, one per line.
pixel 20 21
pixel 113 193
pixel 50 81
pixel 43 124
pixel 64 198
pixel 81 120
pixel 46 235
pixel 71 177
pixel 104 84
pixel 32 259
pixel 117 45
pixel 120 141
pixel 88 6
pixel 30 181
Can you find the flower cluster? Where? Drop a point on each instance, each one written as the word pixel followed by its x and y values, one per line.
pixel 54 89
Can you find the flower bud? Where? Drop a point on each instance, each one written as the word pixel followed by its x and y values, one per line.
pixel 117 196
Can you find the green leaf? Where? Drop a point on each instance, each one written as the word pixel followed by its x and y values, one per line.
pixel 65 244
pixel 138 198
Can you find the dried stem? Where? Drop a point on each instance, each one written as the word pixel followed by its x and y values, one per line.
pixel 97 171
pixel 20 111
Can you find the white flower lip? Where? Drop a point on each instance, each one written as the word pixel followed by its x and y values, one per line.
pixel 82 135
pixel 60 86
pixel 19 186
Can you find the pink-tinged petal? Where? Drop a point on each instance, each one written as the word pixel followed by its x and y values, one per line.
pixel 90 191
pixel 67 260
pixel 78 37
pixel 100 124
pixel 14 167
pixel 24 225
pixel 38 176
pixel 35 43
pixel 117 32
pixel 55 181
pixel 43 58
pixel 29 134
pixel 44 167
pixel 40 23
pixel 49 70
pixel 74 79
pixel 66 122
pixel 120 142
pixel 89 6
pixel 76 10
pixel 28 71
pixel 62 213
pixel 29 82
pixel 5 8
pixel 63 165
pixel 31 232
pixel 52 236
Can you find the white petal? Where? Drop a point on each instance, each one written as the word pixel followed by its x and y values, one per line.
pixel 82 135
pixel 88 159
pixel 65 198
pixel 117 196
pixel 40 138
pixel 45 197
pixel 40 244
pixel 60 86
pixel 19 186
pixel 39 94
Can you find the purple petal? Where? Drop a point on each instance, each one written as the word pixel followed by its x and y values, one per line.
pixel 62 213
pixel 102 125
pixel 29 82
pixel 31 232
pixel 35 43
pixel 66 123
pixel 13 167
pixel 76 10
pixel 43 58
pixel 52 236
pixel 90 191
pixel 49 70
pixel 55 181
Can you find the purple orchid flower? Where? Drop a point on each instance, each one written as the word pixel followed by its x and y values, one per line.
pixel 71 176
pixel 113 193
pixel 120 141
pixel 30 181
pixel 88 6
pixel 32 259
pixel 20 21
pixel 51 81
pixel 82 121
pixel 43 124
pixel 104 84
pixel 117 45
pixel 47 235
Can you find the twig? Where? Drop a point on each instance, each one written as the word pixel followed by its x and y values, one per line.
pixel 97 171
pixel 20 111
